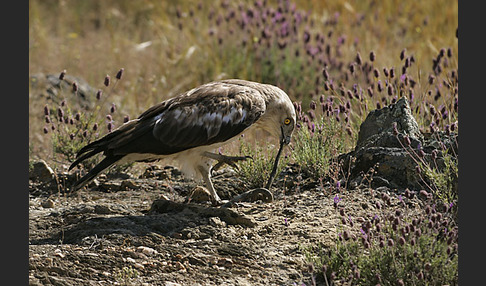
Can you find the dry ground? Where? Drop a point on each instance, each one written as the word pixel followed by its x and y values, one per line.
pixel 106 235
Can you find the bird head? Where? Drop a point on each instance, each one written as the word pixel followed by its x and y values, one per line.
pixel 287 127
pixel 283 116
pixel 281 113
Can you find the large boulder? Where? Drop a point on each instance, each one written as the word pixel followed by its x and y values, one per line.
pixel 387 151
pixel 377 129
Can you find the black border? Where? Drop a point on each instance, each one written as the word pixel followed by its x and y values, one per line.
pixel 471 151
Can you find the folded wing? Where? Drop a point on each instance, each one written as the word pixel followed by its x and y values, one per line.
pixel 209 114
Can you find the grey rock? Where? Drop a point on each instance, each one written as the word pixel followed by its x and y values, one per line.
pixel 380 122
pixel 382 159
pixel 377 129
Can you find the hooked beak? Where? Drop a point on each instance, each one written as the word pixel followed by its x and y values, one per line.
pixel 284 139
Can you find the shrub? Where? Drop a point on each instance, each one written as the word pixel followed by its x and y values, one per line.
pixel 438 170
pixel 256 171
pixel 71 129
pixel 441 176
pixel 392 245
pixel 316 147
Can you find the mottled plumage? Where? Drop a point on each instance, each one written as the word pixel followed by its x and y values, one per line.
pixel 191 126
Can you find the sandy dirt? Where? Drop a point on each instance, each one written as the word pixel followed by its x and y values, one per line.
pixel 140 230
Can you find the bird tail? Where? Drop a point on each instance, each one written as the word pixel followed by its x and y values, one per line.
pixel 90 150
pixel 114 147
pixel 105 163
pixel 109 141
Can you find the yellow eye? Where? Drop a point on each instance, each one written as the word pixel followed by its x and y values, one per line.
pixel 287 121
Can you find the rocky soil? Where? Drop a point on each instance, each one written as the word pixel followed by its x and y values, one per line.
pixel 140 230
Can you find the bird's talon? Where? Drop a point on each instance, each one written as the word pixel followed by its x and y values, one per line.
pixel 217 166
pixel 233 165
pixel 228 160
pixel 217 203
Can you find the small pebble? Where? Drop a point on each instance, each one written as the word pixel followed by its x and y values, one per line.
pixel 225 262
pixel 199 195
pixel 146 250
pixel 129 184
pixel 216 221
pixel 179 266
pixel 48 204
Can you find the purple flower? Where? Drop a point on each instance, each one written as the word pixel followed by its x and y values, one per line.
pixel 350 221
pixel 346 235
pixel 336 16
pixel 403 77
pixel 312 51
pixel 372 56
pixel 107 80
pixel 411 95
pixel 420 151
pixel 379 85
pixel 363 233
pixel 406 140
pixel 306 37
pixel 337 199
pixel 120 73
pixel 341 40
pixel 370 91
pixel 98 94
pixel 60 113
pixel 63 73
pixel 313 105
pixel 266 33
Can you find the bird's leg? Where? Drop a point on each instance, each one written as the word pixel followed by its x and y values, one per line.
pixel 223 159
pixel 206 175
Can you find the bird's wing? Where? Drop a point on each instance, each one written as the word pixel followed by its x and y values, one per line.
pixel 205 115
pixel 209 114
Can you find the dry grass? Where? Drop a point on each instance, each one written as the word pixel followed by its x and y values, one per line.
pixel 93 38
